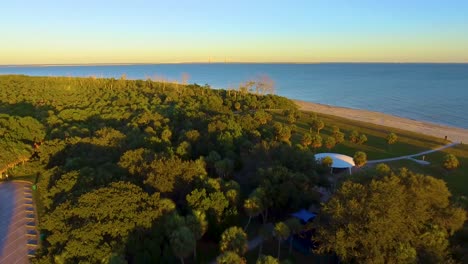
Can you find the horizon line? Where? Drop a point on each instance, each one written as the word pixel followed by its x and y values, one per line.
pixel 218 62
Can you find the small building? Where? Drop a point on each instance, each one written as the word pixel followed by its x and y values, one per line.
pixel 304 216
pixel 340 161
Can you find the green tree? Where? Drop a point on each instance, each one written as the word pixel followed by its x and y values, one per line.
pixel 317 125
pixel 166 135
pixel 99 221
pixel 362 139
pixel 354 136
pixel 360 158
pixel 214 202
pixel 237 106
pixel 169 174
pixel 198 224
pixel 253 207
pixel 192 135
pixel 266 233
pixel 306 139
pixel 182 242
pixel 330 143
pixel 234 239
pixel 392 138
pixel 296 228
pixel 451 162
pixel 262 117
pixel 230 257
pixel 395 219
pixel 382 169
pixel 316 141
pixel 281 232
pixel 339 137
pixel 267 260
pixel 224 167
pixel 282 132
pixel 291 118
pixel 327 162
pixel 335 129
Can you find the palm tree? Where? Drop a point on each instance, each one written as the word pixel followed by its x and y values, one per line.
pixel 267 260
pixel 182 242
pixel 234 239
pixel 230 257
pixel 198 224
pixel 281 232
pixel 265 232
pixel 296 227
pixel 253 207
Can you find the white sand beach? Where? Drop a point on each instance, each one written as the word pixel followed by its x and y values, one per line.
pixel 453 133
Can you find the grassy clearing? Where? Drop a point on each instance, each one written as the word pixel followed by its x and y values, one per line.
pixel 377 148
pixel 457 180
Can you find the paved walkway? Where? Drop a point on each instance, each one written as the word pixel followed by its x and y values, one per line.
pixel 18 234
pixel 414 155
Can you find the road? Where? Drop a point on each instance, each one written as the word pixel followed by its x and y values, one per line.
pixel 414 155
pixel 18 233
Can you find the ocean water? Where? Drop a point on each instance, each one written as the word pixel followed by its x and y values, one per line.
pixel 436 93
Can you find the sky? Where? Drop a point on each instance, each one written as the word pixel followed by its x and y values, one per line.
pixel 309 31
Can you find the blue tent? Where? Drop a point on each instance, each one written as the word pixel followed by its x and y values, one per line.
pixel 304 215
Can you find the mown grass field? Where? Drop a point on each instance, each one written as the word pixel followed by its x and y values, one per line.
pixel 377 148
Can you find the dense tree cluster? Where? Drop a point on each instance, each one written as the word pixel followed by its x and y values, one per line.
pixel 138 171
pixel 394 218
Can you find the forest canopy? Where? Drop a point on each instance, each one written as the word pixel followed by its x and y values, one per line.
pixel 139 171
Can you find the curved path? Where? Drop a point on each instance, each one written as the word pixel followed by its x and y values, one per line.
pixel 18 234
pixel 414 155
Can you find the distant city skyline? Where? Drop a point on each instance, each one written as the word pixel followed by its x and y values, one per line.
pixel 127 32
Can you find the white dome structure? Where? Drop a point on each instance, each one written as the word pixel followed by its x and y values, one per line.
pixel 340 161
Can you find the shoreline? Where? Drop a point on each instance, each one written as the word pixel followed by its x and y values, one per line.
pixel 453 134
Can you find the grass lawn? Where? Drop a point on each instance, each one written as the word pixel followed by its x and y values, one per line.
pixel 377 148
pixel 457 180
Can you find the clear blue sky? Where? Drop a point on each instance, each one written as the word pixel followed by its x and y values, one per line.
pixel 190 31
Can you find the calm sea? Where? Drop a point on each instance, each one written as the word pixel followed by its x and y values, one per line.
pixel 436 93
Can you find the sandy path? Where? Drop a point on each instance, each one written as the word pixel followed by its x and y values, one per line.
pixel 453 133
